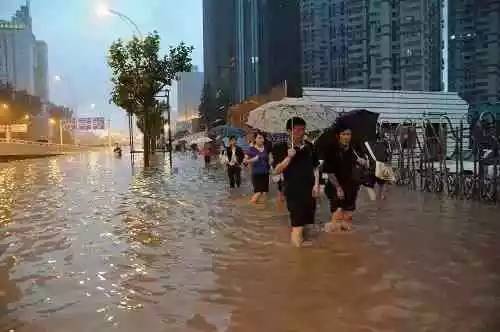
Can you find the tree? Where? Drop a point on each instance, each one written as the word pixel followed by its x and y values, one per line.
pixel 139 74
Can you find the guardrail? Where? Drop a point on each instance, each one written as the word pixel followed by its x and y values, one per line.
pixel 18 141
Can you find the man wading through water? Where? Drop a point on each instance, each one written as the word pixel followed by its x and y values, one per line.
pixel 301 178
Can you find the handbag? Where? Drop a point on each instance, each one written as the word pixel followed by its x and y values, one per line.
pixel 223 158
pixel 383 171
pixel 360 173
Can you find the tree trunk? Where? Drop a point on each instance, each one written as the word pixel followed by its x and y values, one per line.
pixel 147 141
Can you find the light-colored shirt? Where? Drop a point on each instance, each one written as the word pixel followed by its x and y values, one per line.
pixel 233 160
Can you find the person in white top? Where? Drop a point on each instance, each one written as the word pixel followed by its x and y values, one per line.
pixel 235 157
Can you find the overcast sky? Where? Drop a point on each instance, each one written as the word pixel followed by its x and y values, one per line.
pixel 78 41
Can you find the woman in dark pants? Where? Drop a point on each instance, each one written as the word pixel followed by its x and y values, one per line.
pixel 342 189
pixel 258 157
pixel 235 157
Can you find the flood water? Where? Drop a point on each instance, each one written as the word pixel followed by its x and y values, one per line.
pixel 88 244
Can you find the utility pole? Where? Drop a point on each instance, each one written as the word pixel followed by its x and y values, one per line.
pixel 169 122
pixel 109 132
pixel 60 132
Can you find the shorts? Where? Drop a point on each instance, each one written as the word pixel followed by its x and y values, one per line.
pixel 260 183
pixel 350 197
pixel 301 209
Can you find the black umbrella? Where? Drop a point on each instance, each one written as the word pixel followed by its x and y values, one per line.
pixel 362 123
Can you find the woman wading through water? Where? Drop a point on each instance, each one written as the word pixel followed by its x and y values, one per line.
pixel 258 157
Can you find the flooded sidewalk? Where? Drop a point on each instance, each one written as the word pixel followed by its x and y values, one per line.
pixel 89 244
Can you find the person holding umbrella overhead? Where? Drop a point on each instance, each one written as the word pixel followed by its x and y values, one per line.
pixel 342 187
pixel 301 178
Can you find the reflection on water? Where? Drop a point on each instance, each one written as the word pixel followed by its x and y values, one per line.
pixel 87 246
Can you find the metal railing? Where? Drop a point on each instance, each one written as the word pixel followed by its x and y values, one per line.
pixel 471 168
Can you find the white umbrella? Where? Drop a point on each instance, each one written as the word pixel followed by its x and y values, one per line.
pixel 272 117
pixel 201 140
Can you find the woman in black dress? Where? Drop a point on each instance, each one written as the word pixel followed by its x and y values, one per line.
pixel 342 189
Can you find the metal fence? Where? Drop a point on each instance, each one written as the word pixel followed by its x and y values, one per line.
pixel 461 161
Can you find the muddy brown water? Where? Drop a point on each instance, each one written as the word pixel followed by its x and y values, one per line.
pixel 89 244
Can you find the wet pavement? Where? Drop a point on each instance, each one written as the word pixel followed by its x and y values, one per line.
pixel 89 244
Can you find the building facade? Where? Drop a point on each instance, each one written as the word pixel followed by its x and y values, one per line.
pixel 189 89
pixel 41 71
pixel 219 50
pixel 251 46
pixel 324 43
pixel 23 59
pixel 474 50
pixel 267 46
pixel 372 44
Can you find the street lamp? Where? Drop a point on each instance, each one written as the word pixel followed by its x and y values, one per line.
pixel 103 10
pixel 53 122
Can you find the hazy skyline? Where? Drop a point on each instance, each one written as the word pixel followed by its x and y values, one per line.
pixel 78 41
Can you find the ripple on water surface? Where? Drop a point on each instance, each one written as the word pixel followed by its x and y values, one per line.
pixel 89 244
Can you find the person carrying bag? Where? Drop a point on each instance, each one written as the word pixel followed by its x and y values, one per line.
pixel 383 170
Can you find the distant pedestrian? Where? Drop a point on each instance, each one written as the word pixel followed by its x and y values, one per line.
pixel 258 158
pixel 299 167
pixel 377 188
pixel 342 188
pixel 207 154
pixel 234 159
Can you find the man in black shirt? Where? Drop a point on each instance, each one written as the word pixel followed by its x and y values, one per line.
pixel 301 178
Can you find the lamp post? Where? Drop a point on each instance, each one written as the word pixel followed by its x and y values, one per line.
pixel 53 122
pixel 102 10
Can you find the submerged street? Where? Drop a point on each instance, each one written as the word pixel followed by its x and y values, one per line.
pixel 88 243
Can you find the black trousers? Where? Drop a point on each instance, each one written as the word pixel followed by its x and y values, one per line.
pixel 234 173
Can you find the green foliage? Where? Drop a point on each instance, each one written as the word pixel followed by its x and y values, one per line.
pixel 139 74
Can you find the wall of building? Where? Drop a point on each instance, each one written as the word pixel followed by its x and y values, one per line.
pixel 372 44
pixel 474 48
pixel 23 60
pixel 189 87
pixel 267 46
pixel 219 45
pixel 251 46
pixel 41 78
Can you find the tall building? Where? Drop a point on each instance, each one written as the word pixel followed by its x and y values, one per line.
pixel 42 70
pixel 189 89
pixel 372 44
pixel 267 46
pixel 219 45
pixel 251 46
pixel 324 43
pixel 474 50
pixel 23 59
